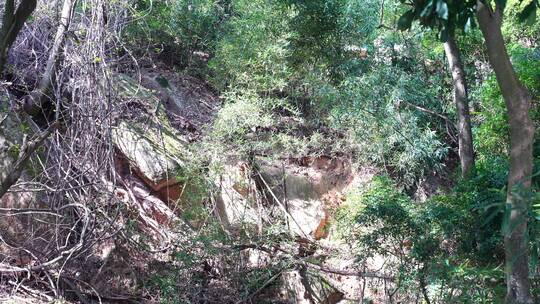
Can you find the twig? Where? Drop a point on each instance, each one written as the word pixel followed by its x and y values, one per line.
pixel 281 205
pixel 27 150
pixel 346 273
pixel 266 284
pixel 425 110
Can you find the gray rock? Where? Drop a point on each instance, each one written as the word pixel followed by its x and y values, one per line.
pixel 144 155
pixel 152 146
pixel 235 201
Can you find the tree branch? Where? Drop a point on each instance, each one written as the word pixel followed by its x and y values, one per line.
pixel 28 148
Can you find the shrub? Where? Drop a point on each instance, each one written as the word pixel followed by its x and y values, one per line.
pixel 176 29
pixel 389 133
pixel 492 132
pixel 450 245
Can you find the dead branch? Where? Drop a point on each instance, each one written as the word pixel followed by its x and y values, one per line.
pixel 33 101
pixel 27 150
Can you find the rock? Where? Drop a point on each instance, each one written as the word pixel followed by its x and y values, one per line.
pixel 306 287
pixel 151 162
pixel 151 146
pixel 236 198
pixel 190 103
pixel 306 189
pixel 306 216
pixel 254 258
pixel 303 188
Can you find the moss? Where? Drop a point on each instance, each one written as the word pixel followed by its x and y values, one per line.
pixel 158 129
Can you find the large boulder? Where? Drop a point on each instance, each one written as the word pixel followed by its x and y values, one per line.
pixel 150 160
pixel 152 147
pixel 307 190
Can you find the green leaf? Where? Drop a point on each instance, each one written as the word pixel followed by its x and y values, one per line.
pixel 528 14
pixel 442 9
pixel 163 82
pixel 405 21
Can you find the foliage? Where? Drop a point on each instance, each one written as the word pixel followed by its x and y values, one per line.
pixel 447 16
pixel 514 28
pixel 296 78
pixel 492 132
pixel 378 106
pixel 253 51
pixel 177 29
pixel 324 31
pixel 451 239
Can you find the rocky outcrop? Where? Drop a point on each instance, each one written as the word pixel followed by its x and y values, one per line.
pixel 307 189
pixel 152 164
pixel 154 150
pixel 306 287
pixel 237 197
pixel 190 103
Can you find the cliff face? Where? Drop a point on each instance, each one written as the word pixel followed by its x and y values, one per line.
pixel 210 225
pixel 247 196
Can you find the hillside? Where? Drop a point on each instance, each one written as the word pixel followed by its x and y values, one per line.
pixel 196 151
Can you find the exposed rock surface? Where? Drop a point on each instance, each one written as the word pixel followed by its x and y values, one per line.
pixel 190 102
pixel 306 287
pixel 236 200
pixel 305 188
pixel 153 148
pixel 152 164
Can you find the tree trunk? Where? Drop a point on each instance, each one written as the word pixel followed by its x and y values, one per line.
pixel 33 102
pixel 518 103
pixel 461 99
pixel 12 24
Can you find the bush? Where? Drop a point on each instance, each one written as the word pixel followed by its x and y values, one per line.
pixel 390 133
pixel 177 29
pixel 253 51
pixel 450 245
pixel 492 132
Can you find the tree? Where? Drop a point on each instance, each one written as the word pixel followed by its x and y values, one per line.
pixel 435 14
pixel 12 24
pixel 461 99
pixel 34 100
pixel 518 103
pixel 446 16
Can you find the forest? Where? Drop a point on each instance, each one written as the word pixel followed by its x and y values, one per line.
pixel 269 151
